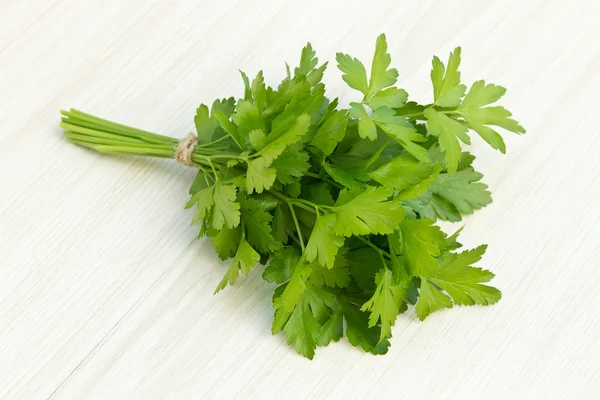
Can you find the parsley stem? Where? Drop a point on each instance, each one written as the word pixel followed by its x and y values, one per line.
pixel 217 156
pixel 297 224
pixel 304 204
pixel 377 249
pixel 213 169
pixel 213 142
pixel 331 182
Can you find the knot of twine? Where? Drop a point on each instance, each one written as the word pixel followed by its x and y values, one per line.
pixel 185 148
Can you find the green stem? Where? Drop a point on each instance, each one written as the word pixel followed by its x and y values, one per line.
pixel 331 182
pixel 213 142
pixel 297 224
pixel 377 249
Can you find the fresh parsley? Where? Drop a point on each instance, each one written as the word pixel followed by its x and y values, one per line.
pixel 338 205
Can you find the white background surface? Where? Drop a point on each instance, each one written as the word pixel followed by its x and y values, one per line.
pixel 105 294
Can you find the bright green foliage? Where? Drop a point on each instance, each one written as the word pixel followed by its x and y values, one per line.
pixel 245 259
pixel 337 203
pixel 402 172
pixel 450 116
pixel 420 244
pixel 386 302
pixel 463 283
pixel 324 243
pixel 450 196
pixel 369 212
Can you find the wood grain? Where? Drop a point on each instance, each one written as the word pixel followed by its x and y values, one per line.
pixel 104 292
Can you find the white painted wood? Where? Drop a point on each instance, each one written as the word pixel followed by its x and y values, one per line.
pixel 104 294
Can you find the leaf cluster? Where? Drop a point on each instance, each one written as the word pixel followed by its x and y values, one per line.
pixel 339 204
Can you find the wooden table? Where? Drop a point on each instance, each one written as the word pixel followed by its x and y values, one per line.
pixel 106 294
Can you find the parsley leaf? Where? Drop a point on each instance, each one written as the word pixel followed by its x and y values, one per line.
pixel 369 212
pixel 381 76
pixel 463 282
pixel 386 303
pixel 420 245
pixel 354 72
pixel 360 334
pixel 447 89
pixel 245 259
pixel 403 172
pixel 257 223
pixel 324 243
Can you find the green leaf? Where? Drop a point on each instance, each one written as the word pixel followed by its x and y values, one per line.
pixel 291 165
pixel 398 268
pixel 334 277
pixel 230 128
pixel 381 76
pixel 364 264
pixel 259 91
pixel 224 106
pixel 302 330
pixel 386 303
pixel 406 135
pixel 448 132
pixel 247 89
pixel 292 190
pixel 481 94
pixel 366 126
pixel 205 125
pixel 276 146
pixel 316 75
pixel 447 90
pixel 332 329
pixel 367 129
pixel 296 285
pixel 354 72
pixel 282 265
pixel 462 190
pixel 245 259
pixel 257 223
pixel 432 206
pixel 226 241
pixel 478 118
pixel 463 282
pixel 308 61
pixel 390 97
pixel 283 224
pixel 319 194
pixel 331 132
pixel 421 187
pixel 431 299
pixel 289 89
pixel 218 202
pixel 402 173
pixel 420 245
pixel 199 183
pixel 312 320
pixel 204 201
pixel 226 212
pixel 369 212
pixel 360 334
pixel 258 139
pixel 247 118
pixel 324 244
pixel 352 177
pixel 259 176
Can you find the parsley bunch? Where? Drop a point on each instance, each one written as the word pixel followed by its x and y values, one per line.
pixel 339 204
